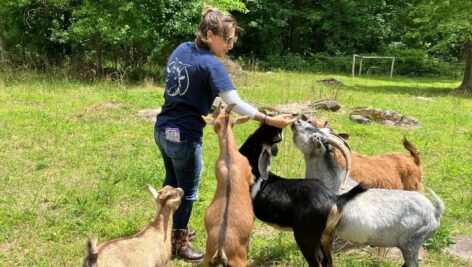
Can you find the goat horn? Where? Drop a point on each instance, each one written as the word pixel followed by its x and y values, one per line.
pixel 337 142
pixel 229 108
pixel 340 138
pixel 217 110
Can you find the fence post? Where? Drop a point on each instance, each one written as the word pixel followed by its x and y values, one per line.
pixel 353 64
pixel 391 69
pixel 360 66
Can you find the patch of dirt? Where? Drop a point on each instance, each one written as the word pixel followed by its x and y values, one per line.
pixel 423 98
pixel 331 81
pixel 384 117
pixel 103 107
pixel 462 248
pixel 297 108
pixel 149 114
pixel 234 69
pixel 99 108
pixel 309 108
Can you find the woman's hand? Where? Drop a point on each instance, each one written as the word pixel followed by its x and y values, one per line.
pixel 280 121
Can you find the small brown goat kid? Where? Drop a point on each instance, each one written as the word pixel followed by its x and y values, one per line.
pixel 390 170
pixel 150 247
pixel 229 218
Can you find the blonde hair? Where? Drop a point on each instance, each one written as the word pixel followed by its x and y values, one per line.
pixel 217 22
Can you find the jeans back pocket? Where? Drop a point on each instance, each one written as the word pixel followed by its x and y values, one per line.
pixel 173 149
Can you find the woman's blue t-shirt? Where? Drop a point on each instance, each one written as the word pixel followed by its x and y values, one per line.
pixel 194 78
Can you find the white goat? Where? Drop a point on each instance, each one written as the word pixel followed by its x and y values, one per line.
pixel 379 217
pixel 150 247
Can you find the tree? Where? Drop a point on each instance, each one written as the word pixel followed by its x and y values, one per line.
pixel 311 26
pixel 446 26
pixel 98 36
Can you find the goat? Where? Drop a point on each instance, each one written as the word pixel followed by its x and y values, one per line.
pixel 389 171
pixel 380 217
pixel 150 247
pixel 229 218
pixel 304 206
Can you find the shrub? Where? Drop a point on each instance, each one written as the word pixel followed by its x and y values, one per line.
pixel 408 62
pixel 286 62
pixel 418 63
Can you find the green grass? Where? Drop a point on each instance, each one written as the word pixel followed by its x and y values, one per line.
pixel 75 159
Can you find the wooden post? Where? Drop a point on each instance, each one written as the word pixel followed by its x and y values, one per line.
pixel 360 66
pixel 353 64
pixel 391 69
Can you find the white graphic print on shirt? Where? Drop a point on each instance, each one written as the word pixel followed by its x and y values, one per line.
pixel 179 83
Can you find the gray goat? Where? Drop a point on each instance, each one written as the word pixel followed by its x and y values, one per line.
pixel 379 217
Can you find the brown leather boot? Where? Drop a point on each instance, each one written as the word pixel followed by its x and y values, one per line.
pixel 181 247
pixel 191 234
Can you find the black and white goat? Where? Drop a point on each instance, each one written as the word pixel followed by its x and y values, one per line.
pixel 380 217
pixel 305 206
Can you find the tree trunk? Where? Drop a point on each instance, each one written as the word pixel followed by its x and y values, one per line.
pixel 23 51
pixel 2 50
pixel 295 29
pixel 65 26
pixel 467 81
pixel 98 59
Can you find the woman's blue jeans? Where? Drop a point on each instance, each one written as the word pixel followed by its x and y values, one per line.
pixel 183 164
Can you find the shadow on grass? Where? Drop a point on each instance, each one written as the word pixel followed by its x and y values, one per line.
pixel 274 254
pixel 413 91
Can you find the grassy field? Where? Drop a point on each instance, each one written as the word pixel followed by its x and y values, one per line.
pixel 75 159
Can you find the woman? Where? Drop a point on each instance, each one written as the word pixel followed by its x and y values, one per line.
pixel 194 78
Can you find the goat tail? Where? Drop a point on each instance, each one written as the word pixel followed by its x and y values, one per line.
pixel 354 192
pixel 439 205
pixel 92 253
pixel 413 152
pixel 335 214
pixel 219 258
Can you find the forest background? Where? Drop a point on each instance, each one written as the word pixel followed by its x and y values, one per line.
pixel 131 39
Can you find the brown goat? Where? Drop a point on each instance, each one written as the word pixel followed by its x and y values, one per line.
pixel 150 247
pixel 390 170
pixel 229 218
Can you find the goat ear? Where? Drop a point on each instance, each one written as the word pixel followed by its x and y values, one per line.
pixel 208 120
pixel 153 191
pixel 278 138
pixel 275 149
pixel 344 136
pixel 264 162
pixel 242 119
